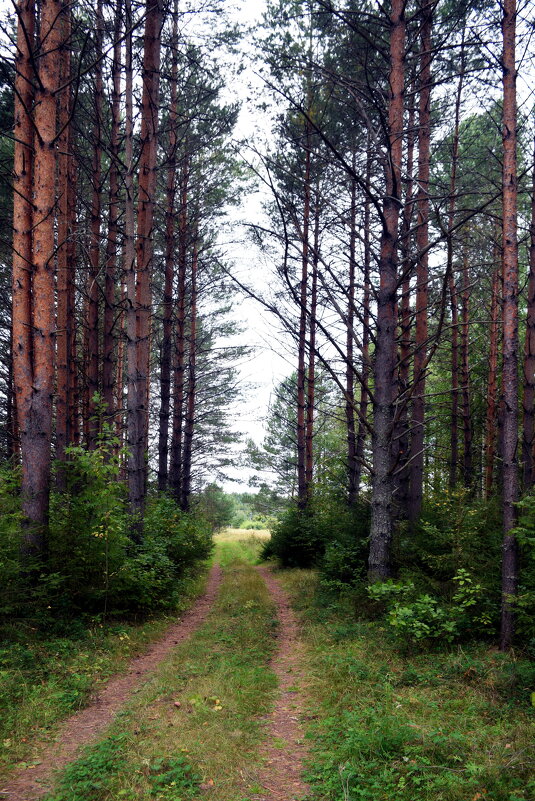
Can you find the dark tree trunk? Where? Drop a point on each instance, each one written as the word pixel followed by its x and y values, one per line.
pixel 352 491
pixel 189 424
pixel 165 368
pixel 175 467
pixel 110 305
pixel 528 439
pixel 366 299
pixel 382 519
pixel 311 373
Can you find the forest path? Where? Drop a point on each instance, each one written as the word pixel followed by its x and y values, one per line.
pixel 86 726
pixel 284 749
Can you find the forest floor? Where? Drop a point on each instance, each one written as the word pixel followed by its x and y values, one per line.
pixel 267 684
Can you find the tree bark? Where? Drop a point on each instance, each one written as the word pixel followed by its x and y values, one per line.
pixel 175 467
pixel 64 266
pixel 22 254
pixel 465 373
pixel 110 305
pixel 189 425
pixel 528 438
pixel 422 267
pixel 36 432
pixel 382 521
pixel 492 387
pixel 352 492
pixel 134 467
pixel 402 445
pixel 302 488
pixel 144 244
pixel 93 289
pixel 510 325
pixel 311 372
pixel 165 363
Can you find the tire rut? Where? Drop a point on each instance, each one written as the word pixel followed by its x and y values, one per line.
pixel 284 749
pixel 85 727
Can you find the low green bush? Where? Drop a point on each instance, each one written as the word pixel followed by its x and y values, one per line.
pixel 93 567
pixel 326 534
pixel 416 618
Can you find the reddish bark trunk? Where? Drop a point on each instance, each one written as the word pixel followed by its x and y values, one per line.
pixel 422 271
pixel 165 368
pixel 492 388
pixel 93 290
pixel 510 324
pixel 528 439
pixel 144 244
pixel 465 375
pixel 22 243
pixel 402 443
pixel 37 431
pixel 382 520
pixel 64 267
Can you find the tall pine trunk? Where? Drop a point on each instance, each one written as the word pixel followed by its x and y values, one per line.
pixel 189 423
pixel 510 324
pixel 528 438
pixel 144 246
pixel 93 289
pixel 422 267
pixel 110 337
pixel 382 517
pixel 167 339
pixel 302 489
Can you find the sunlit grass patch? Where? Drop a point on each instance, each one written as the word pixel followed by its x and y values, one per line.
pixel 196 723
pixel 239 543
pixel 453 725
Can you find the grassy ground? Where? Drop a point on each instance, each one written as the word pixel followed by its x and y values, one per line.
pixel 44 678
pixel 447 726
pixel 197 724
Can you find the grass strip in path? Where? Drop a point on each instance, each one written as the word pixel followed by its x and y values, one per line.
pixel 194 729
pixel 87 725
pixel 450 725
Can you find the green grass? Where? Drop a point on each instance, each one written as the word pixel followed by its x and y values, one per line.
pixel 44 677
pixel 445 726
pixel 196 723
pixel 242 544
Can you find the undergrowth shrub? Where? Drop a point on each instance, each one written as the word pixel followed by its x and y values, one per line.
pixel 416 618
pixel 93 567
pixel 326 534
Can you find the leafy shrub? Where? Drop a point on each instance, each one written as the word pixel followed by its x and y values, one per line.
pixel 417 618
pixel 93 567
pixel 524 603
pixel 326 534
